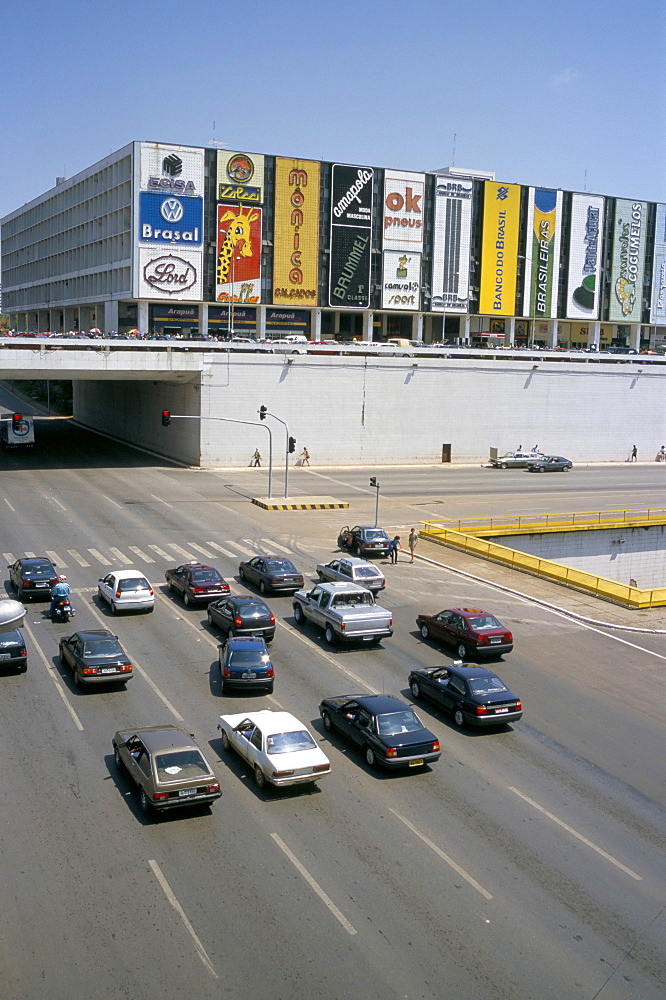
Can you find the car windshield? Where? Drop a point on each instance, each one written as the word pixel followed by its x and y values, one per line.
pixel 251 609
pixel 486 685
pixel 206 576
pixel 280 566
pixel 135 583
pixel 373 533
pixel 366 571
pixel 484 621
pixel 10 638
pixel 289 742
pixel 398 722
pixel 102 647
pixel 178 764
pixel 240 656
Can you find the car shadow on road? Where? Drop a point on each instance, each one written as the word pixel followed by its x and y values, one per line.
pixel 130 794
pixel 355 754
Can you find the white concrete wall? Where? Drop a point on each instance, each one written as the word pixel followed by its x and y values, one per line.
pixel 617 554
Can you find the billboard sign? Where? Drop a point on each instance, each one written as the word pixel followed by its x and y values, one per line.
pixel 166 273
pixel 542 264
pixel 584 278
pixel 296 235
pixel 499 248
pixel 238 271
pixel 240 177
pixel 170 169
pixel 351 233
pixel 451 245
pixel 628 261
pixel 401 285
pixel 404 194
pixel 169 220
pixel 658 303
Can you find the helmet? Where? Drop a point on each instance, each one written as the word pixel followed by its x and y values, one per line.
pixel 62 579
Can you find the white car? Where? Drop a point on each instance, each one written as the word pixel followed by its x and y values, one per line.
pixel 126 590
pixel 279 748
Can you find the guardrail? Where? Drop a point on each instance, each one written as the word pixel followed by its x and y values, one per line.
pixel 608 590
pixel 509 525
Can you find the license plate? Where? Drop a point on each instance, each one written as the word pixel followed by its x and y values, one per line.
pixel 248 673
pixel 501 711
pixel 499 639
pixel 368 638
pixel 184 793
pixel 416 763
pixel 109 670
pixel 41 585
pixel 5 656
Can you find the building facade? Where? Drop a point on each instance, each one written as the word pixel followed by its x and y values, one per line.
pixel 165 238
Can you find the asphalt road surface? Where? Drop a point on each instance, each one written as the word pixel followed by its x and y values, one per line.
pixel 527 863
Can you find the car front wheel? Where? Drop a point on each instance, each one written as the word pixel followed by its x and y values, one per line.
pixel 566 468
pixel 262 587
pixel 117 758
pixel 459 718
pixel 503 465
pixel 326 719
pixel 226 742
pixel 259 777
pixel 145 803
pixel 415 688
pixel 330 635
pixel 299 617
pixel 461 650
pixel 541 469
pixel 425 632
pixel 187 600
pixel 370 758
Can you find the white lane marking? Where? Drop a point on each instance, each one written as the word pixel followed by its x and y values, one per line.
pixel 275 545
pixel 181 551
pixel 168 892
pixel 80 560
pixel 9 557
pixel 92 607
pixel 120 556
pixel 199 548
pixel 9 505
pixel 579 836
pixel 201 632
pixel 243 549
pixel 443 856
pixel 61 505
pixel 140 553
pixel 30 555
pixel 161 500
pixel 99 557
pixel 111 501
pixel 608 635
pixel 327 901
pixel 161 552
pixel 54 677
pixel 365 686
pixel 56 560
pixel 225 552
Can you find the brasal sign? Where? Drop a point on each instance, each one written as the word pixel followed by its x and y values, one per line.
pixel 170 274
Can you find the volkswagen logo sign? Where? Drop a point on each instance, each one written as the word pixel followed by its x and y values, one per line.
pixel 171 210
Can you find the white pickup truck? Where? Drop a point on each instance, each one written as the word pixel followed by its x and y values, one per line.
pixel 345 611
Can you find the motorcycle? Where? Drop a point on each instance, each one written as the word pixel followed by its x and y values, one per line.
pixel 63 610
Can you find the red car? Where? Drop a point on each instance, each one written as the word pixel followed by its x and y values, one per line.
pixel 470 631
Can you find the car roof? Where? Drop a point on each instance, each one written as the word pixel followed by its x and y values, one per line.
pixel 469 670
pixel 355 561
pixel 268 721
pixel 91 633
pixel 470 611
pixel 378 704
pixel 128 574
pixel 369 527
pixel 157 738
pixel 341 587
pixel 244 599
pixel 35 561
pixel 246 642
pixel 195 565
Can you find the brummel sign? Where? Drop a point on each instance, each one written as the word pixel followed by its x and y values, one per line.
pixel 351 230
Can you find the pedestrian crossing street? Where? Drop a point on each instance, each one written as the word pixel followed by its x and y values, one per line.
pixel 169 553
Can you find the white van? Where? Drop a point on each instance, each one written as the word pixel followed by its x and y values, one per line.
pixel 18 433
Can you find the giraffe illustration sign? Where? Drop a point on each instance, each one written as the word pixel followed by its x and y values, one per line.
pixel 296 238
pixel 238 270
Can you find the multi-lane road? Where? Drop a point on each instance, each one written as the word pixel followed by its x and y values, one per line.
pixel 527 863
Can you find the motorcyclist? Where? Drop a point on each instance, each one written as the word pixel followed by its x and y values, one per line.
pixel 60 590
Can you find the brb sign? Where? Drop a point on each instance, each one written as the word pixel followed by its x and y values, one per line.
pixel 403 210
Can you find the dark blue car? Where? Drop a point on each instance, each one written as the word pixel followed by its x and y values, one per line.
pixel 246 663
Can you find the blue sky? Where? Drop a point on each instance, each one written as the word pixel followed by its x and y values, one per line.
pixel 564 94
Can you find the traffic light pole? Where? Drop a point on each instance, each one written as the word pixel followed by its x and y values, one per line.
pixel 373 482
pixel 286 453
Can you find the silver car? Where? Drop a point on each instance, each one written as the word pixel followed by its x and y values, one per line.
pixel 353 570
pixel 516 459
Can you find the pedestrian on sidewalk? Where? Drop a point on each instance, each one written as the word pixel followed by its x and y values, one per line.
pixel 394 546
pixel 634 454
pixel 256 459
pixel 304 457
pixel 413 541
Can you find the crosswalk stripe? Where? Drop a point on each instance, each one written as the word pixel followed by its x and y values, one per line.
pixel 243 548
pixel 180 551
pixel 56 560
pixel 160 552
pixel 99 557
pixel 9 557
pixel 199 548
pixel 275 545
pixel 120 556
pixel 79 558
pixel 141 554
pixel 30 555
pixel 220 548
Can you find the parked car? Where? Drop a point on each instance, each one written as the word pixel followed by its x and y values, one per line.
pixel 95 657
pixel 242 616
pixel 167 766
pixel 345 611
pixel 552 463
pixel 245 663
pixel 388 731
pixel 470 631
pixel 126 590
pixel 471 694
pixel 271 573
pixel 364 539
pixel 33 578
pixel 516 459
pixel 353 570
pixel 196 583
pixel 13 652
pixel 279 749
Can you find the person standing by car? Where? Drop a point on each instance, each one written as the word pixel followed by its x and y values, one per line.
pixel 61 589
pixel 393 548
pixel 413 541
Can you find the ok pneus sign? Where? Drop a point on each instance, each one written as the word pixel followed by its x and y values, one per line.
pixel 403 239
pixel 351 232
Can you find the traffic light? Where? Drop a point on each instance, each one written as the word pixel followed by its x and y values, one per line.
pixel 166 418
pixel 262 412
pixel 292 445
pixel 373 482
pixel 16 421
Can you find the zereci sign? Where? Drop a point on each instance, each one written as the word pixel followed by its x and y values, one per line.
pixel 167 219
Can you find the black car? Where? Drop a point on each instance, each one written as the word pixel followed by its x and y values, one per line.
pixel 364 540
pixel 196 583
pixel 387 730
pixel 242 616
pixel 33 578
pixel 246 663
pixel 473 695
pixel 12 650
pixel 271 573
pixel 95 657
